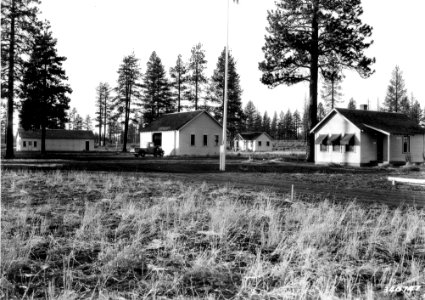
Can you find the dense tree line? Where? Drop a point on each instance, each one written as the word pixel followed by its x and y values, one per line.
pixel 285 126
pixel 140 98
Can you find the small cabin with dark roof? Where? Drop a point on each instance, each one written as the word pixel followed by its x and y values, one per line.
pixel 365 137
pixel 56 140
pixel 253 141
pixel 185 133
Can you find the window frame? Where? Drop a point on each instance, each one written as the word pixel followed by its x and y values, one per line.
pixel 24 144
pixel 323 147
pixel 259 143
pixel 216 140
pixel 350 148
pixel 205 140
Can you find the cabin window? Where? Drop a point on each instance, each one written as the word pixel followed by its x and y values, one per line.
pixel 268 144
pixel 349 148
pixel 336 148
pixel 24 144
pixel 406 144
pixel 29 143
pixel 321 140
pixel 259 143
pixel 192 140
pixel 205 140
pixel 216 140
pixel 35 144
pixel 347 142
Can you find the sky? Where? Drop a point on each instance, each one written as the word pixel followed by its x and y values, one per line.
pixel 95 35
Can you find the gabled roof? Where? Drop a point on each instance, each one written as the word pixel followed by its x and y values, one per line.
pixel 57 134
pixel 386 122
pixel 250 136
pixel 175 121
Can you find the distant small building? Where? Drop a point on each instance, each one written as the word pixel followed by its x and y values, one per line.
pixel 184 133
pixel 253 141
pixel 363 137
pixel 56 140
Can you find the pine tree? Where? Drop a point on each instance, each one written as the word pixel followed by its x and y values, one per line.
pixel 234 92
pixel 128 92
pixel 258 121
pixel 273 126
pixel 78 122
pixel 156 90
pixel 296 119
pixel 19 25
pixel 197 79
pixel 87 124
pixel 288 125
pixel 305 122
pixel 266 122
pixel 321 113
pixel 71 118
pixel 416 113
pixel 104 106
pixel 304 35
pixel 331 88
pixel 43 89
pixel 395 92
pixel 405 105
pixel 179 81
pixel 351 104
pixel 281 126
pixel 249 113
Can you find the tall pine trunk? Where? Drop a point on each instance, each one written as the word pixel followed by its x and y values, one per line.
pixel 314 52
pixel 126 118
pixel 104 122
pixel 11 79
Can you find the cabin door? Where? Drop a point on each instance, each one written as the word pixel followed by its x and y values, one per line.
pixel 87 146
pixel 157 139
pixel 380 148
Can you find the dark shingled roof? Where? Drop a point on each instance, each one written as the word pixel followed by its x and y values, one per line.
pixel 57 134
pixel 249 136
pixel 393 123
pixel 173 121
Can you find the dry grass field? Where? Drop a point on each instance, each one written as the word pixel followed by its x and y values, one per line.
pixel 79 235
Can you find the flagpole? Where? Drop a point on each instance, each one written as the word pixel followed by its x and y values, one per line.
pixel 224 138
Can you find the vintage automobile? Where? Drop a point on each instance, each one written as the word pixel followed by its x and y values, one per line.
pixel 151 149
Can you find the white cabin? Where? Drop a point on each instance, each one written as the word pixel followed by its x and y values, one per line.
pixel 364 137
pixel 194 133
pixel 56 140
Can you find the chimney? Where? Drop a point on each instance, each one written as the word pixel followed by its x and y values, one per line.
pixel 363 107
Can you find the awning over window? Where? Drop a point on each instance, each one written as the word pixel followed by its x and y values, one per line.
pixel 348 139
pixel 334 139
pixel 321 139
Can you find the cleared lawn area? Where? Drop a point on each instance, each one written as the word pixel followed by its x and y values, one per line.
pixel 73 235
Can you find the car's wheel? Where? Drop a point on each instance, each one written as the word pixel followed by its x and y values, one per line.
pixel 142 154
pixel 136 155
